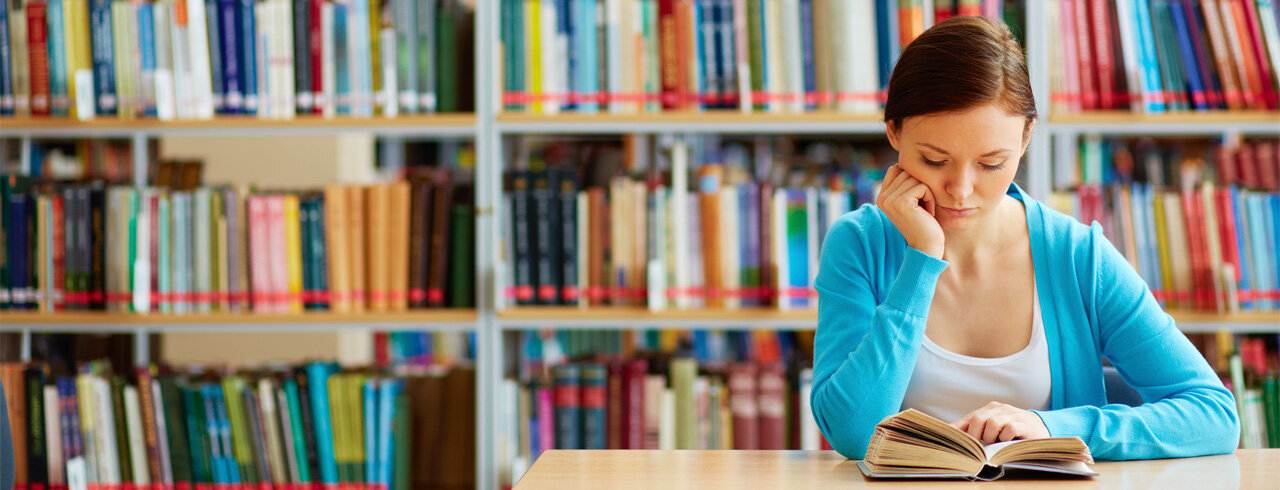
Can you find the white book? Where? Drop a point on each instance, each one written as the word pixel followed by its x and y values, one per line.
pixel 329 76
pixel 406 45
pixel 359 58
pixel 262 47
pixel 776 82
pixel 141 266
pixel 553 67
pixel 1271 34
pixel 179 39
pixel 288 76
pixel 667 420
pixel 162 428
pixel 793 55
pixel 779 248
pixel 203 264
pixel 390 101
pixel 583 248
pixel 165 105
pixel 730 255
pixel 810 438
pixel 271 424
pixel 89 431
pixel 137 448
pixel 866 72
pixel 615 61
pixel 104 414
pixel 164 285
pixel 53 428
pixel 657 270
pixel 198 37
pixel 1129 50
pixel 680 222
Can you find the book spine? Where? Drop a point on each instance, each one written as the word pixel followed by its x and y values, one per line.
pixel 592 406
pixel 568 425
pixel 38 57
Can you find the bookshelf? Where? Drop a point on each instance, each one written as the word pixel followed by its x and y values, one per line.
pixel 489 126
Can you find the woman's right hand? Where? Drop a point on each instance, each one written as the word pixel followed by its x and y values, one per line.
pixel 909 204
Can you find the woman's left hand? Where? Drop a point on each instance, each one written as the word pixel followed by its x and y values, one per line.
pixel 998 422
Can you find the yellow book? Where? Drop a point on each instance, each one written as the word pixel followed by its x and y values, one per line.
pixel 377 248
pixel 356 247
pixel 338 407
pixel 71 35
pixel 533 42
pixel 375 50
pixel 293 250
pixel 355 417
pixel 1162 243
pixel 398 247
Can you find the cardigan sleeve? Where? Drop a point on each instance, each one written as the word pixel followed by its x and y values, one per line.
pixel 864 351
pixel 1187 411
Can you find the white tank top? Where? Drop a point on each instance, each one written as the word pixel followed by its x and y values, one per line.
pixel 948 386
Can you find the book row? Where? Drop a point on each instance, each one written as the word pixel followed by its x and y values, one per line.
pixel 312 427
pixel 191 59
pixel 1250 368
pixel 1154 56
pixel 654 55
pixel 1186 219
pixel 722 244
pixel 346 248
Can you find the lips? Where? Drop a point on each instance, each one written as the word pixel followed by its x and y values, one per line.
pixel 957 213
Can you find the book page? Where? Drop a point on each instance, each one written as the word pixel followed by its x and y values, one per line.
pixel 1047 449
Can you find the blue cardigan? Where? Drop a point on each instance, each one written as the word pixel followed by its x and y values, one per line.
pixel 874 294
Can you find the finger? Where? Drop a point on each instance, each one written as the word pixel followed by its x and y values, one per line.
pixel 902 187
pixel 1008 433
pixel 963 423
pixel 976 426
pixel 887 186
pixel 929 202
pixel 991 432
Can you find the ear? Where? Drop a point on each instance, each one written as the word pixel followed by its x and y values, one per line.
pixel 891 131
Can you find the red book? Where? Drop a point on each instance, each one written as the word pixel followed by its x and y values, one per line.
pixel 633 403
pixel 1270 98
pixel 59 253
pixel 1195 247
pixel 743 406
pixel 772 404
pixel 260 278
pixel 672 48
pixel 381 349
pixel 1257 80
pixel 1227 230
pixel 315 41
pixel 1099 16
pixel 1087 67
pixel 1267 161
pixel 614 411
pixel 38 47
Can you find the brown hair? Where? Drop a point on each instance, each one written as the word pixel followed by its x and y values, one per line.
pixel 958 64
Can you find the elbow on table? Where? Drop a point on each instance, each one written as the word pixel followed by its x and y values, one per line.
pixel 838 429
pixel 1227 438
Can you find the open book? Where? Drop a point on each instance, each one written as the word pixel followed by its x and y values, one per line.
pixel 911 444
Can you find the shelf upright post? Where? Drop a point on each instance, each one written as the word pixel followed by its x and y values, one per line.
pixel 488 171
pixel 25 154
pixel 24 345
pixel 140 158
pixel 1039 169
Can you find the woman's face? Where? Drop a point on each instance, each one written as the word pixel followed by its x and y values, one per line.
pixel 967 159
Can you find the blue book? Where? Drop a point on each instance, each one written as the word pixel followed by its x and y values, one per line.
pixel 1273 214
pixel 568 18
pixel 388 391
pixel 198 433
pixel 230 67
pixel 1151 83
pixel 299 441
pixel 698 39
pixel 341 58
pixel 247 49
pixel 806 50
pixel 210 393
pixel 762 26
pixel 19 248
pixel 104 64
pixel 319 255
pixel 588 82
pixel 1199 98
pixel 302 55
pixel 887 47
pixel 709 36
pixel 568 426
pixel 1243 284
pixel 797 248
pixel 369 398
pixel 700 350
pixel 6 72
pixel 318 389
pixel 1263 272
pixel 1196 26
pixel 728 57
pixel 147 44
pixel 56 40
pixel 594 402
pixel 215 19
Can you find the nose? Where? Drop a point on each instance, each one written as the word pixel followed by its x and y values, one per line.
pixel 960 183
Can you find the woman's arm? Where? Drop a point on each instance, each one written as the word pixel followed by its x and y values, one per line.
pixel 864 351
pixel 1188 411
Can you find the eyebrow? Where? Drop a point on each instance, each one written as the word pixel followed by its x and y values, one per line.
pixel 944 152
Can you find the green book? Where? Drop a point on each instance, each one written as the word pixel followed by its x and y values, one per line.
pixel 683 372
pixel 462 266
pixel 175 429
pixel 447 56
pixel 299 439
pixel 197 435
pixel 1271 405
pixel 232 386
pixel 402 433
pixel 355 417
pixel 1238 389
pixel 338 413
pixel 121 429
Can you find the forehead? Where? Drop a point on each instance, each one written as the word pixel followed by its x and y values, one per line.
pixel 981 129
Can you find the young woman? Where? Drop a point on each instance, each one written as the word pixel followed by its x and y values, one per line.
pixel 962 297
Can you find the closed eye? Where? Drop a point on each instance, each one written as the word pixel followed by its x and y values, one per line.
pixel 933 163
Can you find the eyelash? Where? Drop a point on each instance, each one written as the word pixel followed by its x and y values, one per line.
pixel 992 168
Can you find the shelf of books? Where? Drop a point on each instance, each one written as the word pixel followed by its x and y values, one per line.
pixel 632 317
pixel 459 124
pixel 1173 123
pixel 281 425
pixel 92 322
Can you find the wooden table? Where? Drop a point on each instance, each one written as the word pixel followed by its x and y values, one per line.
pixel 714 470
